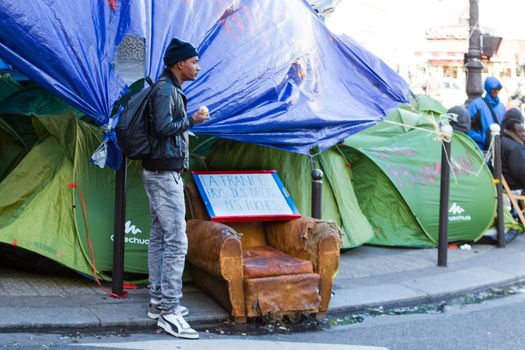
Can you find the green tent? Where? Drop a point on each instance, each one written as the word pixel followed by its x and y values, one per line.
pixel 382 185
pixel 397 180
pixel 16 130
pixel 45 199
pixel 371 187
pixel 12 148
pixel 45 150
pixel 7 87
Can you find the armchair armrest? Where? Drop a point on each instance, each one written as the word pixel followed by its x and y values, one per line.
pixel 314 240
pixel 214 247
pixel 301 238
pixel 328 263
pixel 290 236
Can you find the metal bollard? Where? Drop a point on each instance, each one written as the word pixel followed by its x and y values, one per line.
pixel 496 172
pixel 317 193
pixel 444 195
pixel 117 280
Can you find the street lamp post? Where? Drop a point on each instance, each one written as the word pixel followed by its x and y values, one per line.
pixel 473 59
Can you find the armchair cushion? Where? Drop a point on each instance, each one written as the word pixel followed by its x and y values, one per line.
pixel 267 262
pixel 279 295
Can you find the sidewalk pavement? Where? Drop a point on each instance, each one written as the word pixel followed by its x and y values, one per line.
pixel 368 277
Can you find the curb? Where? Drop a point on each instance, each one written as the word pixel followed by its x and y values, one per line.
pixel 427 299
pixel 204 323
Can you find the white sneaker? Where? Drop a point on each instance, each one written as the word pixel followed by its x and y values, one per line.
pixel 176 325
pixel 154 311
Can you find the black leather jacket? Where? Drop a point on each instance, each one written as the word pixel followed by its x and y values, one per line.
pixel 513 162
pixel 168 126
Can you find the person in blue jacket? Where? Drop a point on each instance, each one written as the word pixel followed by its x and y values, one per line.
pixel 484 111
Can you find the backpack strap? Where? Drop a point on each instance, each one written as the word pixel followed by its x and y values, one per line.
pixel 494 118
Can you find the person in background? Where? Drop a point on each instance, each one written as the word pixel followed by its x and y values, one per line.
pixel 513 114
pixel 462 119
pixel 484 111
pixel 513 153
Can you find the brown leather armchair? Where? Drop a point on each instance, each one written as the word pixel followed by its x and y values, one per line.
pixel 258 269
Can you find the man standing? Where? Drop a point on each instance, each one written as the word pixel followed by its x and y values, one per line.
pixel 168 244
pixel 485 111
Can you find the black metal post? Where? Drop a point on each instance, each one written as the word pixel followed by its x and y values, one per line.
pixel 444 195
pixel 473 62
pixel 500 221
pixel 317 193
pixel 117 284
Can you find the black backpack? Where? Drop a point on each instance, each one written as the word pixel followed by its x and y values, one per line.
pixel 132 127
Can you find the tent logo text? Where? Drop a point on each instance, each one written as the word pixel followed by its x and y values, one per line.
pixel 455 212
pixel 454 209
pixel 129 228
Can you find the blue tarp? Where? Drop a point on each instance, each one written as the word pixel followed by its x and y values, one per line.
pixel 4 65
pixel 272 73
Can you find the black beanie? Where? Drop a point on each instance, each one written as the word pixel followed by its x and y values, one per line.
pixel 463 119
pixel 512 114
pixel 177 51
pixel 515 114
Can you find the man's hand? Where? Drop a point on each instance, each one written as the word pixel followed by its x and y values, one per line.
pixel 201 115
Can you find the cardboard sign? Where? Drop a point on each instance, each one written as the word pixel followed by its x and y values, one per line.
pixel 235 196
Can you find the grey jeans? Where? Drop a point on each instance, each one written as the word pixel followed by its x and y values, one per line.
pixel 168 243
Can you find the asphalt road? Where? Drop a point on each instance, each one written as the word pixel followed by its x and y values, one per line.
pixel 492 325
